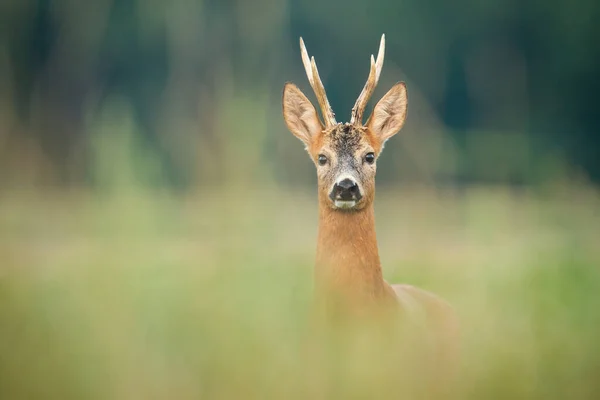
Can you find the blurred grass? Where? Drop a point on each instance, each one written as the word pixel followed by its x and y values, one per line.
pixel 126 290
pixel 145 295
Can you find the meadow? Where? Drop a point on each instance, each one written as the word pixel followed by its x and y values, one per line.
pixel 142 294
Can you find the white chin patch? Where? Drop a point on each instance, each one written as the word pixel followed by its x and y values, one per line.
pixel 345 203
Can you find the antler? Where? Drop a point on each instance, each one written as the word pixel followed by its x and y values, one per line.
pixel 365 95
pixel 315 81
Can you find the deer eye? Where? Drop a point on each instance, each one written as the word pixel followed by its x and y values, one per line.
pixel 370 158
pixel 322 159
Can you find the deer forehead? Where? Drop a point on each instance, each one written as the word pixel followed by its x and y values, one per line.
pixel 345 140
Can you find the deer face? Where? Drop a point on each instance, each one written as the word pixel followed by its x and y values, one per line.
pixel 345 154
pixel 345 162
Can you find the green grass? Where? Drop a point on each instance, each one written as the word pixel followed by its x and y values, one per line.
pixel 144 296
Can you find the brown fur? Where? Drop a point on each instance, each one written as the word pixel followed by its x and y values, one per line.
pixel 348 273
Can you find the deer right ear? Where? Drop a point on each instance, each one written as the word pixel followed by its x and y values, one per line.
pixel 300 115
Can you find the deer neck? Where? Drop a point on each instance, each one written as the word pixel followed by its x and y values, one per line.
pixel 347 255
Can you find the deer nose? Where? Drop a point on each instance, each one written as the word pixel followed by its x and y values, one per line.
pixel 345 190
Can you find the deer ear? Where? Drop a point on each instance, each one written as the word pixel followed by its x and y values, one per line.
pixel 300 115
pixel 390 113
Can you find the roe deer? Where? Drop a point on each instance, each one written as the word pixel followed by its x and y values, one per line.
pixel 348 267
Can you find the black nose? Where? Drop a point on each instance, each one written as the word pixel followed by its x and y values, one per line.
pixel 345 190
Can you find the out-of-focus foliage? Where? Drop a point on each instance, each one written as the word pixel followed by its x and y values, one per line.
pixel 499 91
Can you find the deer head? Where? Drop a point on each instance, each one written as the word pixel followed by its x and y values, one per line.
pixel 345 154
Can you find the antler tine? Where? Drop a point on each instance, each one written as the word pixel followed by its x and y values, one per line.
pixel 367 92
pixel 306 62
pixel 315 82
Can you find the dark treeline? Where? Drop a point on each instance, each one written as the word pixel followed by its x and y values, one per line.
pixel 526 71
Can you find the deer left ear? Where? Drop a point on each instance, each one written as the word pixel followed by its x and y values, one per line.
pixel 389 114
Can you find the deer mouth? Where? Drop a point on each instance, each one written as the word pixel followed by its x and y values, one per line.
pixel 345 204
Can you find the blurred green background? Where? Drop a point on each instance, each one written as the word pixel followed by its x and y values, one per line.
pixel 158 221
